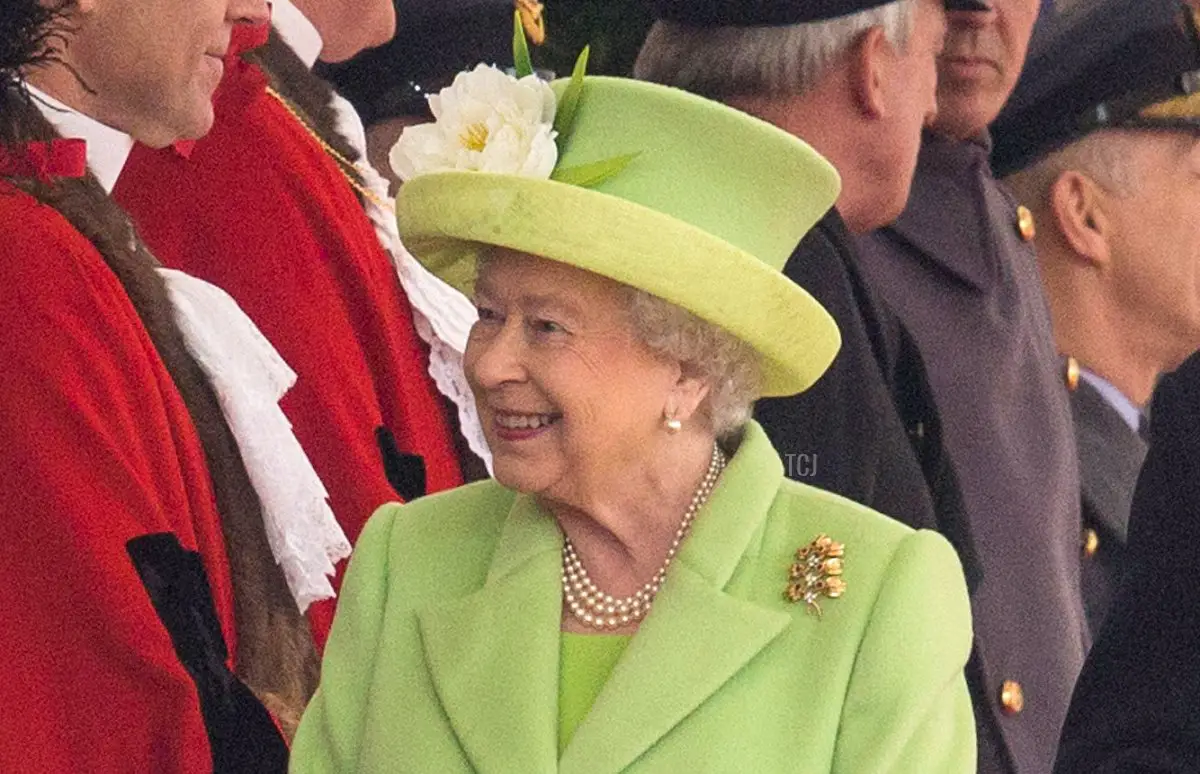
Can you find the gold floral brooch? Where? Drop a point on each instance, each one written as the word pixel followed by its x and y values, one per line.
pixel 816 573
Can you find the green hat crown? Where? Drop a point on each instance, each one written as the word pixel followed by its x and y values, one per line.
pixel 705 209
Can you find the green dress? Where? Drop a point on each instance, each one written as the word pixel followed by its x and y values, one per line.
pixel 585 664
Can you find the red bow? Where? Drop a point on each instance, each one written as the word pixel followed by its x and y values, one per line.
pixel 44 160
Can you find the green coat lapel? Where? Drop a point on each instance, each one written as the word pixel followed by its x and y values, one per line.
pixel 493 655
pixel 698 635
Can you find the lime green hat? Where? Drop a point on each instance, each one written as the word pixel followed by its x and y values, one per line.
pixel 704 216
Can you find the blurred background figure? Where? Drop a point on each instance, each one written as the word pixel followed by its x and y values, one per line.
pixel 958 267
pixel 1105 151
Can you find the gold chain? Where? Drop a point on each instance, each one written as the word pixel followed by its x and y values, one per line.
pixel 344 163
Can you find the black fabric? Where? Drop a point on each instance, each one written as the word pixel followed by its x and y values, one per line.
pixel 1134 707
pixel 1093 65
pixel 868 429
pixel 773 13
pixel 405 472
pixel 433 43
pixel 241 733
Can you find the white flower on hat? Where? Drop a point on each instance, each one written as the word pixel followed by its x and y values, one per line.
pixel 486 121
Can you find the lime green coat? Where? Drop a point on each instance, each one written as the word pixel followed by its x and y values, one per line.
pixel 444 654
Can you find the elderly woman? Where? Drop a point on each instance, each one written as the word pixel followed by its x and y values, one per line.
pixel 640 589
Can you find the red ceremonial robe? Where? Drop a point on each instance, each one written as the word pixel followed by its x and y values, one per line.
pixel 259 209
pixel 98 450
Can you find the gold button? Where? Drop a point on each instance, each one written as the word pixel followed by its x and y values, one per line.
pixel 1091 542
pixel 1072 374
pixel 1012 697
pixel 1025 224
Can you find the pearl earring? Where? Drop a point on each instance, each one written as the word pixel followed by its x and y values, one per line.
pixel 673 425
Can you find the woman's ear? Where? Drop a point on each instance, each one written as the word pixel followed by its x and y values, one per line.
pixel 869 71
pixel 1077 204
pixel 685 397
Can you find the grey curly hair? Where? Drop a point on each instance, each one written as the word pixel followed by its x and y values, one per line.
pixel 705 351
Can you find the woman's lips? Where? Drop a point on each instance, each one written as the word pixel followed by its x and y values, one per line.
pixel 511 426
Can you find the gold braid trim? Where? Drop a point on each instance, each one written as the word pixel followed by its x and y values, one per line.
pixel 344 164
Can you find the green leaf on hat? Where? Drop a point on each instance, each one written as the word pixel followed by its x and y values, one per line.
pixel 568 106
pixel 588 175
pixel 521 61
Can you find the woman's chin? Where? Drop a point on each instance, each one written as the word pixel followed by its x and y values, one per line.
pixel 524 476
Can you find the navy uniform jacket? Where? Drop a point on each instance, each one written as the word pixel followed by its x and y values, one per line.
pixel 868 429
pixel 965 284
pixel 1135 708
pixel 1110 457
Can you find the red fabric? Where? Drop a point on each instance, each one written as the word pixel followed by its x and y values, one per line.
pixel 98 449
pixel 261 211
pixel 44 160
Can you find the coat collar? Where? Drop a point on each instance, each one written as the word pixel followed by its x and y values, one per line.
pixel 947 192
pixel 107 148
pixel 297 31
pixel 493 655
pixel 1110 457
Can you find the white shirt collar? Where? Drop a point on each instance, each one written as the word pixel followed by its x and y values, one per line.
pixel 297 31
pixel 1128 410
pixel 107 148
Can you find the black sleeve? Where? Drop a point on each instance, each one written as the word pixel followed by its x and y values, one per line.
pixel 1135 705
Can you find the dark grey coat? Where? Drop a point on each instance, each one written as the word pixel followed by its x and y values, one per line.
pixel 966 285
pixel 868 430
pixel 1110 457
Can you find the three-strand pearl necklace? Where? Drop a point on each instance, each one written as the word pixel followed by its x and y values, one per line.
pixel 594 608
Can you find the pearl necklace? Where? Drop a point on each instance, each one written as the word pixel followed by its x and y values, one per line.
pixel 588 604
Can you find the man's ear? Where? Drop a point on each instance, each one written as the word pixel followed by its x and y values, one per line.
pixel 870 60
pixel 1077 204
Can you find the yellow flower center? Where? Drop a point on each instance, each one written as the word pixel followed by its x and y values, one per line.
pixel 475 137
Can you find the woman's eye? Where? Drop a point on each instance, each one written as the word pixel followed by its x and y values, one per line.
pixel 547 326
pixel 487 314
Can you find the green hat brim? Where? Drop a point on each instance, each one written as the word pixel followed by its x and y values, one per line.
pixel 450 218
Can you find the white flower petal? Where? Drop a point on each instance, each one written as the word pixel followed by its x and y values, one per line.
pixel 487 121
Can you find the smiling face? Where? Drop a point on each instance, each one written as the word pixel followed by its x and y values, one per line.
pixel 153 65
pixel 982 60
pixel 570 400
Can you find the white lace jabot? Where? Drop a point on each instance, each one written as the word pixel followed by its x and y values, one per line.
pixel 249 377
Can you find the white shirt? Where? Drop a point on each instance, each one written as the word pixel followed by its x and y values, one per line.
pixel 297 31
pixel 1128 410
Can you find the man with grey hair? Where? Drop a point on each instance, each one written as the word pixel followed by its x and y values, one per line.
pixel 1117 194
pixel 856 79
pixel 959 268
